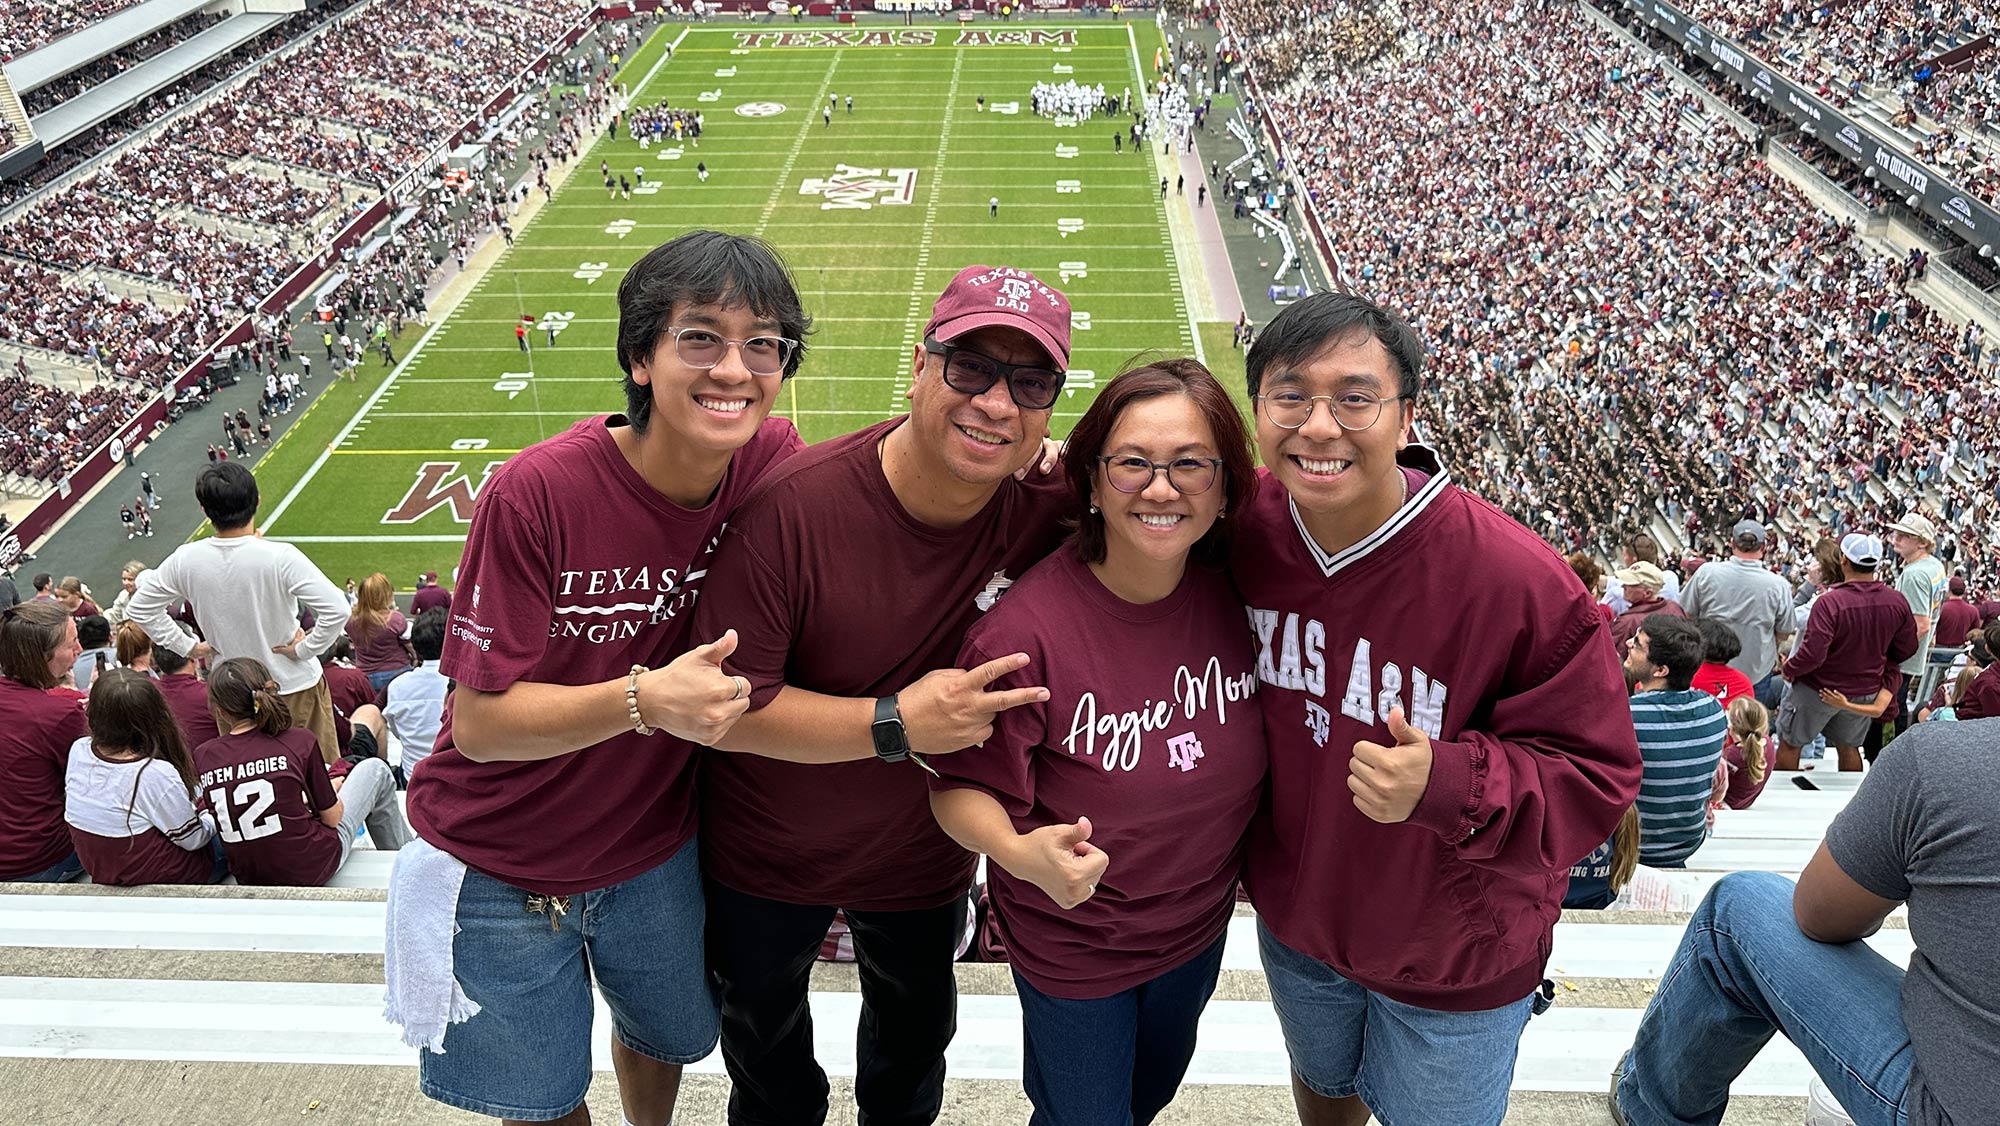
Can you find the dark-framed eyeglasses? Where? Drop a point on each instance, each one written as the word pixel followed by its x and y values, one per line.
pixel 1189 476
pixel 762 355
pixel 1352 410
pixel 1033 386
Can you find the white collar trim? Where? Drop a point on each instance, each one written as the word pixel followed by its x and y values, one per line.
pixel 1332 564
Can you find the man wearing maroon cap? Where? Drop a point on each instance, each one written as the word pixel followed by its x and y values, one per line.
pixel 429 596
pixel 1434 773
pixel 851 577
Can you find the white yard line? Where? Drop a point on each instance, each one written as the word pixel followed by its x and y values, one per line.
pixel 1186 255
pixel 784 179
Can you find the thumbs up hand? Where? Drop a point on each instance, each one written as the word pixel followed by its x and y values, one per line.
pixel 1388 782
pixel 692 697
pixel 1061 861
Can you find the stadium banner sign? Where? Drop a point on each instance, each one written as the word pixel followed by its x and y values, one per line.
pixel 1896 172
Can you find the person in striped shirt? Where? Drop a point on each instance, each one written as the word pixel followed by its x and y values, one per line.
pixel 1680 731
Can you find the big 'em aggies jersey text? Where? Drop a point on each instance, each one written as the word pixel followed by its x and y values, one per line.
pixel 1486 639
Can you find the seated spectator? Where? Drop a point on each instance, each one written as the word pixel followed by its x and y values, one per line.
pixel 93 634
pixel 131 646
pixel 1593 579
pixel 187 697
pixel 414 702
pixel 129 794
pixel 349 690
pixel 1762 956
pixel 1746 752
pixel 1596 880
pixel 1981 697
pixel 1640 584
pixel 37 648
pixel 75 597
pixel 1719 646
pixel 1680 734
pixel 380 633
pixel 282 820
pixel 430 596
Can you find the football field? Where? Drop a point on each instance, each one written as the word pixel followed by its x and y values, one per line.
pixel 875 211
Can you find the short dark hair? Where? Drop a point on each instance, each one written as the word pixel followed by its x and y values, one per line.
pixel 1643 547
pixel 43 582
pixel 227 493
pixel 1719 643
pixel 1675 643
pixel 1305 327
pixel 168 662
pixel 93 631
pixel 1163 377
pixel 701 268
pixel 427 634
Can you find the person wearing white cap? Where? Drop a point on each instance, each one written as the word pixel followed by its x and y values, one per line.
pixel 1858 631
pixel 1921 581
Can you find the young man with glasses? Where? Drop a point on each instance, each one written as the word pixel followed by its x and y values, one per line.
pixel 557 817
pixel 1440 753
pixel 851 579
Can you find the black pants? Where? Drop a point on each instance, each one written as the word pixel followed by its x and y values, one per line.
pixel 761 954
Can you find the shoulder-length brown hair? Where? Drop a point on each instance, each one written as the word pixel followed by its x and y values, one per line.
pixel 241 689
pixel 30 633
pixel 1232 443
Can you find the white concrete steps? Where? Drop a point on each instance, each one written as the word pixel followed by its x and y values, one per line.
pixel 1565 1049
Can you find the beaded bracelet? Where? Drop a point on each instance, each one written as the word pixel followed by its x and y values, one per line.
pixel 632 701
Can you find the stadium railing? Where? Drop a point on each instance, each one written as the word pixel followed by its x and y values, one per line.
pixel 107 457
pixel 1309 209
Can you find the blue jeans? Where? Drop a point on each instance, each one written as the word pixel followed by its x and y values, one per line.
pixel 1117 1060
pixel 1412 1066
pixel 379 680
pixel 1770 692
pixel 1744 972
pixel 526 1055
pixel 66 870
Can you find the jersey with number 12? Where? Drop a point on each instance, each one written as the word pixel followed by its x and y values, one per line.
pixel 266 792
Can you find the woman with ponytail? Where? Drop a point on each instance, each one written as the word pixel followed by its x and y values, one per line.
pixel 1746 751
pixel 130 791
pixel 282 820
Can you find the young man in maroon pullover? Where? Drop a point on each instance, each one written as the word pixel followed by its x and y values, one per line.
pixel 1860 630
pixel 1438 759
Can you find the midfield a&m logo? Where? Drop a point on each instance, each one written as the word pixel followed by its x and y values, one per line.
pixel 435 488
pixel 859 189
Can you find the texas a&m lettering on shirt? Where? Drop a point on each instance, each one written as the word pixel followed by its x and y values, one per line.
pixel 1485 638
pixel 575 570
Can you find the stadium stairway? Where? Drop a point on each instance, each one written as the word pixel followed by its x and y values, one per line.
pixel 268 1002
pixel 13 112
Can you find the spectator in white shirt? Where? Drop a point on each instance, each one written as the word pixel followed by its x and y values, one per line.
pixel 246 592
pixel 413 704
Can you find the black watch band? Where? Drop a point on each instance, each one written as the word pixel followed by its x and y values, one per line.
pixel 892 744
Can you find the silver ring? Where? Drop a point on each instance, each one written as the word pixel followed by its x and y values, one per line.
pixel 742 687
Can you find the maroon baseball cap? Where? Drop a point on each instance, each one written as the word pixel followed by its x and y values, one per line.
pixel 985 296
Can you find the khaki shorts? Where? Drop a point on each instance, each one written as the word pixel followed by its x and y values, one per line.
pixel 312 709
pixel 1805 715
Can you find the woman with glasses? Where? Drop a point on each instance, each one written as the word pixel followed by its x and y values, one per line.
pixel 1114 813
pixel 37 646
pixel 557 817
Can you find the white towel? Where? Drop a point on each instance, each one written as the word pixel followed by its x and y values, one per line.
pixel 423 995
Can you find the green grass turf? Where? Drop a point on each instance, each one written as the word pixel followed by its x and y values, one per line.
pixel 467 397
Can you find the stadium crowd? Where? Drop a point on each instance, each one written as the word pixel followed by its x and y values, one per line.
pixel 40 22
pixel 45 98
pixel 1633 263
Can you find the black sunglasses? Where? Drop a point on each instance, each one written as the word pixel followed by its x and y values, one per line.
pixel 1033 387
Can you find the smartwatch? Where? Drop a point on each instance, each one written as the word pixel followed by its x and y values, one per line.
pixel 891 743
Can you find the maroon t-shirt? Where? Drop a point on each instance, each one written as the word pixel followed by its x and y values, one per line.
pixel 1956 618
pixel 266 793
pixel 575 570
pixel 187 698
pixel 349 689
pixel 1855 631
pixel 430 598
pixel 380 649
pixel 832 586
pixel 1742 791
pixel 1151 730
pixel 1534 760
pixel 36 730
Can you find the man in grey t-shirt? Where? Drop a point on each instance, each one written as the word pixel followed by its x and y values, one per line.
pixel 1923 1045
pixel 1743 594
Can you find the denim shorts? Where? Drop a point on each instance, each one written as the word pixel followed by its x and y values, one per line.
pixel 526 1055
pixel 1412 1066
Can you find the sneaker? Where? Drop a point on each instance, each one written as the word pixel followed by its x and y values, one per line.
pixel 1611 1099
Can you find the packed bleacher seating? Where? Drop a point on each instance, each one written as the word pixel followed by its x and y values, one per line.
pixel 1298 40
pixel 1622 284
pixel 37 23
pixel 46 98
pixel 360 107
pixel 44 429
